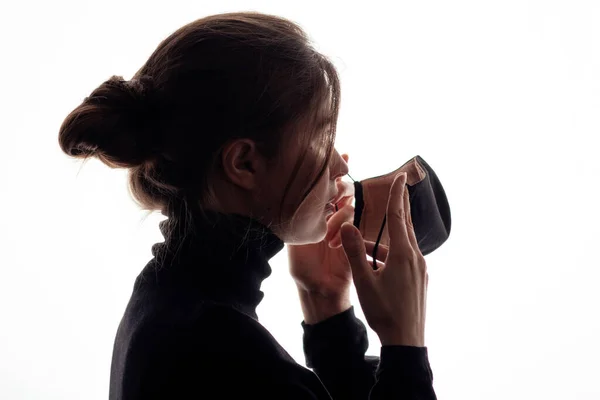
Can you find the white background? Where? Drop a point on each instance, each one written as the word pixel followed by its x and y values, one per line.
pixel 501 98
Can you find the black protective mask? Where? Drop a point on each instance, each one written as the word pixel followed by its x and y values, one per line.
pixel 429 206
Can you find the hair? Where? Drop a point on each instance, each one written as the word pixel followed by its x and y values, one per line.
pixel 219 78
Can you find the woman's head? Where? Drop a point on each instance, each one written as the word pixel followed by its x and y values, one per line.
pixel 234 112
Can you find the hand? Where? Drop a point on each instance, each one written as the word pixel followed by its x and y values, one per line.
pixel 323 268
pixel 393 297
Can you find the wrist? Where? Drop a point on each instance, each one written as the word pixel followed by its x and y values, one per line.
pixel 318 307
pixel 400 338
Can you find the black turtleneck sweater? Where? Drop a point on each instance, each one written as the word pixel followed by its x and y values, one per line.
pixel 190 330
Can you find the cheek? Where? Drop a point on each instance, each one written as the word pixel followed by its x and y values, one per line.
pixel 312 209
pixel 313 206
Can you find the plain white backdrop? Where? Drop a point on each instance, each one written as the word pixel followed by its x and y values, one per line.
pixel 501 98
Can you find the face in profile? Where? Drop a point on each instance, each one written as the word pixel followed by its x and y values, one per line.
pixel 308 223
pixel 303 221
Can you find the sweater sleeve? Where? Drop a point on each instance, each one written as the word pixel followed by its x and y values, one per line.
pixel 335 350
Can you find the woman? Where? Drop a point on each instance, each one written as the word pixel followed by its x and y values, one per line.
pixel 228 129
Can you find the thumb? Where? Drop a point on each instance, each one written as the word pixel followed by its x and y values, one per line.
pixel 354 248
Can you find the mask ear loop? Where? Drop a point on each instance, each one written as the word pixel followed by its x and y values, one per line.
pixel 378 236
pixel 377 242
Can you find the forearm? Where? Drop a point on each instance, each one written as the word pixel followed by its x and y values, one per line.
pixel 335 342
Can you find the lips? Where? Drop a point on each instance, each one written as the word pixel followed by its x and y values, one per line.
pixel 344 189
pixel 335 200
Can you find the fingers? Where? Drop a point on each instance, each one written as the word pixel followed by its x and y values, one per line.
pixel 334 223
pixel 380 265
pixel 382 251
pixel 347 192
pixel 345 213
pixel 362 273
pixel 396 217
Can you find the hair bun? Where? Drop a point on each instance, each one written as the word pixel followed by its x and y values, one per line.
pixel 116 123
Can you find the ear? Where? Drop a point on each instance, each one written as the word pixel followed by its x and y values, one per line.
pixel 243 165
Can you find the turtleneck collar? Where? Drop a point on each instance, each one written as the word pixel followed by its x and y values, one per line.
pixel 224 259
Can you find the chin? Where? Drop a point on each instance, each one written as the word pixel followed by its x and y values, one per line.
pixel 310 235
